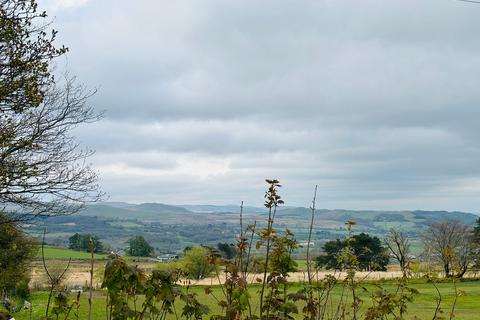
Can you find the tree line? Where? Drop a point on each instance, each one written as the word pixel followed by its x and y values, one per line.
pixel 452 246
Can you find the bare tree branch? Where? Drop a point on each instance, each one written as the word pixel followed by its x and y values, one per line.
pixel 399 247
pixel 449 243
pixel 43 169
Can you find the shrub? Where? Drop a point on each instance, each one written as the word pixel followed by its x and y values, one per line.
pixel 197 263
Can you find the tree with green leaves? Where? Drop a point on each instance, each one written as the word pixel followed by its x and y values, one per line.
pixel 227 250
pixel 17 251
pixel 197 263
pixel 27 50
pixel 42 168
pixel 476 232
pixel 139 247
pixel 84 242
pixel 475 241
pixel 368 251
pixel 330 259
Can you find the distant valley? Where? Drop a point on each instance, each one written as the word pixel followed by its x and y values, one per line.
pixel 170 228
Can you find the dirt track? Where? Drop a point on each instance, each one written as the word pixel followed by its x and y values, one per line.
pixel 78 274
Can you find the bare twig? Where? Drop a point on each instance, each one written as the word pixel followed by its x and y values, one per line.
pixel 310 236
pixel 53 279
pixel 92 262
pixel 452 315
pixel 310 302
pixel 439 300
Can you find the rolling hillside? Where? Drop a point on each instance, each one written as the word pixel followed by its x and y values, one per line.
pixel 170 227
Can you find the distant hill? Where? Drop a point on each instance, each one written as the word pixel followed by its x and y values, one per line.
pixel 106 211
pixel 367 216
pixel 122 205
pixel 430 216
pixel 172 227
pixel 160 208
pixel 290 216
pixel 118 210
pixel 227 208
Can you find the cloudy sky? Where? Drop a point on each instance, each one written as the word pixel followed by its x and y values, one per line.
pixel 377 102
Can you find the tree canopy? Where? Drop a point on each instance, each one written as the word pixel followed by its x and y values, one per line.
pixel 368 250
pixel 26 51
pixel 83 242
pixel 139 247
pixel 228 250
pixel 196 263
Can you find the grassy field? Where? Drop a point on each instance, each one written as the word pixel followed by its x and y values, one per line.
pixel 64 254
pixel 302 265
pixel 422 307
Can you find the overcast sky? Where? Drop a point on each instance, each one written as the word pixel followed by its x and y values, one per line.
pixel 377 102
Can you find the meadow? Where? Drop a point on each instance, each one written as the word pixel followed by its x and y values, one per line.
pixel 423 306
pixel 58 253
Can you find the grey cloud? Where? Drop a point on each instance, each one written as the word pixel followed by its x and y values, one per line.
pixel 376 102
pixel 243 58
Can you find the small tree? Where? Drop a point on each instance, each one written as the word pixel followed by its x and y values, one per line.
pixel 399 247
pixel 197 264
pixel 139 247
pixel 450 244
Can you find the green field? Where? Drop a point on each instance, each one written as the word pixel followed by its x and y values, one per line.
pixel 65 254
pixel 423 306
pixel 302 265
